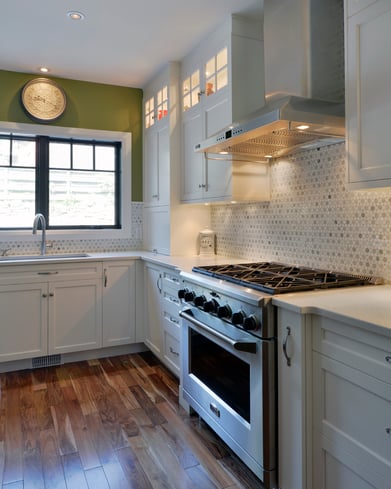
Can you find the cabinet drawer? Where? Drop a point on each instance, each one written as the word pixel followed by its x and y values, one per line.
pixel 20 274
pixel 171 342
pixel 171 301
pixel 171 280
pixel 363 350
pixel 352 413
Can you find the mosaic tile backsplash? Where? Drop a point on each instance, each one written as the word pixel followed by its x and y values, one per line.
pixel 312 219
pixel 83 245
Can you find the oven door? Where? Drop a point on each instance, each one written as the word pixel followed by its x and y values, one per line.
pixel 228 378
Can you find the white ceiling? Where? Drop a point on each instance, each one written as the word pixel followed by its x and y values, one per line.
pixel 119 42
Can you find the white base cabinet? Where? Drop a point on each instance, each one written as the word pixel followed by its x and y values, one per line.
pixel 292 411
pixel 161 314
pixel 351 398
pixel 119 303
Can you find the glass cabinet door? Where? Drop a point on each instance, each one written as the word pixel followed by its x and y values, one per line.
pixel 216 72
pixel 156 107
pixel 191 90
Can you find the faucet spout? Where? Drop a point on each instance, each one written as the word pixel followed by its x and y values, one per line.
pixel 40 219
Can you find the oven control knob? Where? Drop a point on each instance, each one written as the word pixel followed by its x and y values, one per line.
pixel 238 317
pixel 181 293
pixel 189 296
pixel 211 306
pixel 200 300
pixel 224 312
pixel 250 323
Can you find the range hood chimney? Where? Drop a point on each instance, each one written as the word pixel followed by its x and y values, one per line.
pixel 304 84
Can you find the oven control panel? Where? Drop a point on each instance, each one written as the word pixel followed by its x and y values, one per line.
pixel 237 312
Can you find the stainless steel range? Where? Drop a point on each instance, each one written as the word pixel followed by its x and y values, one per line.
pixel 228 342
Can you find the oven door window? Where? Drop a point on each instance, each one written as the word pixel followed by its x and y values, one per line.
pixel 222 372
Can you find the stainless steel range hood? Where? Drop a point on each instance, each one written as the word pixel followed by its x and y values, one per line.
pixel 281 127
pixel 304 83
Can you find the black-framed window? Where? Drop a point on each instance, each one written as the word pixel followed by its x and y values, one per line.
pixel 74 183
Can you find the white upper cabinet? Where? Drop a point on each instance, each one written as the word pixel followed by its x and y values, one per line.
pixel 156 143
pixel 221 81
pixel 368 91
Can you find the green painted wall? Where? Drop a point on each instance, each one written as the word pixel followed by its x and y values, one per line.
pixel 89 106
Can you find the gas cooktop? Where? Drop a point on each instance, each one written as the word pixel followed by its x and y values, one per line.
pixel 278 278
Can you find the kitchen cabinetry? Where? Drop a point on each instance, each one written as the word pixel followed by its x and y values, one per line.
pixel 368 102
pixel 49 309
pixel 161 314
pixel 169 228
pixel 221 81
pixel 119 303
pixel 351 407
pixel 292 412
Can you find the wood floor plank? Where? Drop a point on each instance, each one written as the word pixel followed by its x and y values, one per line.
pixel 148 406
pixel 166 458
pixel 73 472
pixel 13 469
pixel 219 476
pixel 62 425
pixel 134 472
pixel 154 471
pixel 96 479
pixel 32 461
pixel 53 473
pixel 84 443
pixel 108 458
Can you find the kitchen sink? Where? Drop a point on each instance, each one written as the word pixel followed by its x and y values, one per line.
pixel 42 257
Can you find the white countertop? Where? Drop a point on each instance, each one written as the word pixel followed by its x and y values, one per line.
pixel 368 307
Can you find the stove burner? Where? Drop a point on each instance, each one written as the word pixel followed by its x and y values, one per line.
pixel 278 278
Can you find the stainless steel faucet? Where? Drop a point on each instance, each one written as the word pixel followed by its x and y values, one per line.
pixel 40 218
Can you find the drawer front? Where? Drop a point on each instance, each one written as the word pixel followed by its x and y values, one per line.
pixel 352 411
pixel 20 274
pixel 363 350
pixel 171 280
pixel 171 343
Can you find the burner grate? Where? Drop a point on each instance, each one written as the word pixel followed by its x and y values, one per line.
pixel 277 278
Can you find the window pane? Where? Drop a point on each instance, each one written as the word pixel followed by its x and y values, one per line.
pixel 222 78
pixel 23 153
pixel 222 59
pixel 81 198
pixel 59 155
pixel 105 158
pixel 5 152
pixel 82 157
pixel 17 197
pixel 210 67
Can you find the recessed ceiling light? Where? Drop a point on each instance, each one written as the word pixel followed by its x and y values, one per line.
pixel 75 15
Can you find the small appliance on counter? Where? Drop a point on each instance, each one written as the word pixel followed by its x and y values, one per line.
pixel 206 242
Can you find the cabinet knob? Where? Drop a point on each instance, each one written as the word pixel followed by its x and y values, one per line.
pixel 44 296
pixel 388 358
pixel 388 431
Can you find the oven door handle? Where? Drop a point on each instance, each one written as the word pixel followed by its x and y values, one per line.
pixel 248 346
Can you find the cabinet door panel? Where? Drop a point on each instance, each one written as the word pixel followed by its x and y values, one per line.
pixel 23 321
pixel 152 309
pixel 368 76
pixel 192 165
pixel 119 304
pixel 75 316
pixel 156 165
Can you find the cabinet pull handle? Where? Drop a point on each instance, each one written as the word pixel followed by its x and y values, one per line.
pixel 173 351
pixel 284 345
pixel 388 358
pixel 105 278
pixel 388 431
pixel 155 196
pixel 158 284
pixel 47 273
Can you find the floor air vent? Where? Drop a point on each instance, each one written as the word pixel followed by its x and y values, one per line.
pixel 48 361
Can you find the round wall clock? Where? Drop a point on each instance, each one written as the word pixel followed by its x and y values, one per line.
pixel 43 99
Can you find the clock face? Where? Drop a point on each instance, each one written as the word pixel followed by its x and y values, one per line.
pixel 43 99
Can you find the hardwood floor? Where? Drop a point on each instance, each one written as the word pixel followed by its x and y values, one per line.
pixel 108 424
